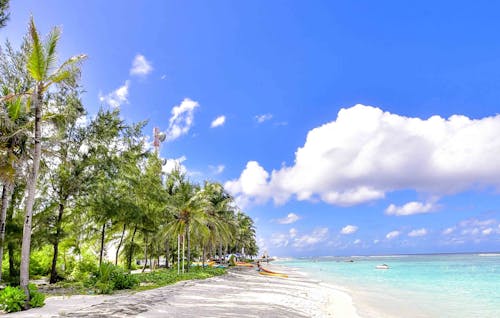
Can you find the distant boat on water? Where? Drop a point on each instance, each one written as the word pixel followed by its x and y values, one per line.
pixel 382 266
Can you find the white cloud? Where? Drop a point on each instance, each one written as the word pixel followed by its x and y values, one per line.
pixel 448 231
pixel 217 169
pixel 366 153
pixel 116 98
pixel 410 208
pixel 349 229
pixel 376 241
pixel 181 120
pixel 163 77
pixel 172 164
pixel 292 232
pixel 262 118
pixel 358 241
pixel 487 231
pixel 140 66
pixel 290 218
pixel 392 234
pixel 219 121
pixel 419 232
pixel 318 235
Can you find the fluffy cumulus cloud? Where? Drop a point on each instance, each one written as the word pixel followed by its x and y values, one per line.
pixel 349 229
pixel 392 234
pixel 410 208
pixel 176 163
pixel 140 66
pixel 289 219
pixel 117 97
pixel 181 119
pixel 419 232
pixel 262 118
pixel 367 152
pixel 292 232
pixel 219 121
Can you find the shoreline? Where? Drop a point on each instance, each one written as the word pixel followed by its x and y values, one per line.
pixel 240 292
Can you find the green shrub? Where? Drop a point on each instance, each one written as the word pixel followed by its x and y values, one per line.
pixel 104 287
pixel 37 298
pixel 82 270
pixel 110 277
pixel 41 261
pixel 12 299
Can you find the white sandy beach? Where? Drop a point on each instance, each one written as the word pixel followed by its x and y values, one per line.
pixel 240 293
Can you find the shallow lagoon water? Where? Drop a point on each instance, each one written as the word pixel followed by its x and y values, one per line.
pixel 449 285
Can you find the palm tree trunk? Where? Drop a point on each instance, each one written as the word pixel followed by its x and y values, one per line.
pixel 103 234
pixel 120 243
pixel 12 265
pixel 131 251
pixel 24 274
pixel 167 253
pixel 188 247
pixel 53 271
pixel 6 190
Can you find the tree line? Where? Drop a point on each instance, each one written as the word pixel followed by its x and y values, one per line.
pixel 71 184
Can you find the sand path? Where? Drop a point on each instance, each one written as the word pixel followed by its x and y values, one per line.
pixel 240 293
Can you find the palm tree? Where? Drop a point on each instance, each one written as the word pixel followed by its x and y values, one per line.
pixel 188 205
pixel 41 60
pixel 220 212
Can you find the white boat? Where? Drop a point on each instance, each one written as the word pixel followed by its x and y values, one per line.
pixel 383 266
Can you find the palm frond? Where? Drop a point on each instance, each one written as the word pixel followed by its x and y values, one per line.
pixel 36 58
pixel 50 48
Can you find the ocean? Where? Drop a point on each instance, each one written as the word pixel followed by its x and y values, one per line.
pixel 414 286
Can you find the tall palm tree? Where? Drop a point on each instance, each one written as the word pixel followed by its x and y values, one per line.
pixel 41 60
pixel 188 205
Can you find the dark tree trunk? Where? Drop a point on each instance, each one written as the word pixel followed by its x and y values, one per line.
pixel 203 258
pixel 103 234
pixel 120 244
pixel 167 253
pixel 131 251
pixel 6 195
pixel 220 253
pixel 145 254
pixel 53 272
pixel 12 265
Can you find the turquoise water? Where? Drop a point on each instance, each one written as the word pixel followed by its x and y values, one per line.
pixel 415 286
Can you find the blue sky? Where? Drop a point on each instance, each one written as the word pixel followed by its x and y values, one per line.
pixel 398 173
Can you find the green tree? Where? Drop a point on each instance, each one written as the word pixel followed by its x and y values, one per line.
pixel 4 12
pixel 41 60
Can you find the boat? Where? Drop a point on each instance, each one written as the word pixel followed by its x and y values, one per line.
pixel 382 266
pixel 274 274
pixel 244 264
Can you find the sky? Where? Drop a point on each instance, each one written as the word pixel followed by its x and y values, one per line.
pixel 340 127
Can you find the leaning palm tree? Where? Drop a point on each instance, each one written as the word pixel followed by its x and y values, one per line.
pixel 41 60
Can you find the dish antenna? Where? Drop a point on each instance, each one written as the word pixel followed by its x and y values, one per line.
pixel 159 137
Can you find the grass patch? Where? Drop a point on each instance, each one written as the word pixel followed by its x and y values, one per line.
pixel 165 277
